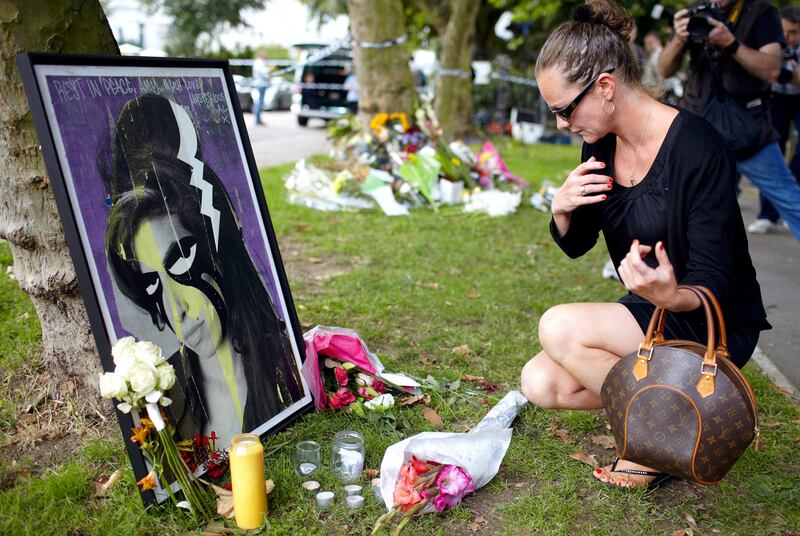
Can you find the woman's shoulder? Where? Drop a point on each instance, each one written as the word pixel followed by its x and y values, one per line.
pixel 698 137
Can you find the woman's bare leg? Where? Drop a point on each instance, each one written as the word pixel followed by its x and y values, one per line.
pixel 581 342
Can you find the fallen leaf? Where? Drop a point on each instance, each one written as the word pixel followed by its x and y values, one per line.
pixel 105 483
pixel 472 295
pixel 413 399
pixel 432 417
pixel 473 527
pixel 520 485
pixel 796 421
pixel 469 377
pixel 430 285
pixel 372 473
pixel 562 435
pixel 447 302
pixel 585 458
pixel 315 260
pixel 462 350
pixel 774 424
pixel 605 441
pixel 427 360
pixel 679 532
pixel 692 523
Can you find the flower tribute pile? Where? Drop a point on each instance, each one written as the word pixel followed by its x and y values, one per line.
pixel 399 164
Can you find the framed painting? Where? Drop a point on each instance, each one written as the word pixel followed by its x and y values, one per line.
pixel 170 234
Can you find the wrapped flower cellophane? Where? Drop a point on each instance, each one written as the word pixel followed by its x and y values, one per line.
pixel 479 452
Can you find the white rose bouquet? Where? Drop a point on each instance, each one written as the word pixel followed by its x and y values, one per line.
pixel 141 377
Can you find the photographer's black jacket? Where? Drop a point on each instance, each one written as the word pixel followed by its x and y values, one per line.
pixel 758 25
pixel 687 200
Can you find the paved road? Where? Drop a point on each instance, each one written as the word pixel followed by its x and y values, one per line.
pixel 777 259
pixel 281 140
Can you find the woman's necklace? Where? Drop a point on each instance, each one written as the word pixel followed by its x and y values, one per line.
pixel 641 140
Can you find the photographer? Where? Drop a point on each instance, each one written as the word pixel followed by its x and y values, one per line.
pixel 735 52
pixel 785 110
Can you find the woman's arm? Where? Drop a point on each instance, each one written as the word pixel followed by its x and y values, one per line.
pixel 575 227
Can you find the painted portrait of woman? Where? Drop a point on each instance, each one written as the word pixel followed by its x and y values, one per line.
pixel 175 249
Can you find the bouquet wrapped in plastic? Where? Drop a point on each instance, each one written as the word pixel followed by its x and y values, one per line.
pixel 340 370
pixel 432 471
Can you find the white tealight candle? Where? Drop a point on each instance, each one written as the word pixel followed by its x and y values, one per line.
pixel 307 468
pixel 354 501
pixel 324 499
pixel 311 486
pixel 352 489
pixel 376 487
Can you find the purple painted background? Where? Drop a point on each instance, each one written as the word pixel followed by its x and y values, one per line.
pixel 86 109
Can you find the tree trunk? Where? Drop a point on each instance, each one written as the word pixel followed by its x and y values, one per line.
pixel 28 216
pixel 384 77
pixel 454 91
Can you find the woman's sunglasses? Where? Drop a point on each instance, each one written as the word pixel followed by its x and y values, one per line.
pixel 565 112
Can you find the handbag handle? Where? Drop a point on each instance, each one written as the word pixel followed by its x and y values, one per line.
pixel 722 343
pixel 655 334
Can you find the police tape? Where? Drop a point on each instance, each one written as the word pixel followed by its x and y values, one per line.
pixel 381 44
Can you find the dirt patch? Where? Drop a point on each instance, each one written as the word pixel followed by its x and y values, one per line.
pixel 308 273
pixel 39 432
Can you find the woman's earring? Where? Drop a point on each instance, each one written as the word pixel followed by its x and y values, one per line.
pixel 613 107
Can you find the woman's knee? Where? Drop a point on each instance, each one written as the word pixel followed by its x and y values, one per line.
pixel 557 331
pixel 538 383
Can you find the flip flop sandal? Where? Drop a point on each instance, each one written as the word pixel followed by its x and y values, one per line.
pixel 659 480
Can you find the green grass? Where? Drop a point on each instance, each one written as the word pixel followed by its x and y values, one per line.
pixel 415 288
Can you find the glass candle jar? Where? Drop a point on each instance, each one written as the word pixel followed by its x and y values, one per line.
pixel 347 455
pixel 306 457
pixel 247 481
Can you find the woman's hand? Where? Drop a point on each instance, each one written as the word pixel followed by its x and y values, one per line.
pixel 579 189
pixel 658 286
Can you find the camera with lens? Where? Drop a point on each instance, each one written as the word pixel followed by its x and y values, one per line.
pixel 699 27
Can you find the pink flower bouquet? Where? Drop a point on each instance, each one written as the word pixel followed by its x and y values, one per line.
pixel 432 471
pixel 424 483
pixel 340 370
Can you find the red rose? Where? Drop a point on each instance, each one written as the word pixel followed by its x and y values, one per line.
pixel 341 398
pixel 362 391
pixel 379 386
pixel 341 376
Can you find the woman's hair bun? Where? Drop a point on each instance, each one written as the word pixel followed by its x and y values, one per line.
pixel 609 14
pixel 583 13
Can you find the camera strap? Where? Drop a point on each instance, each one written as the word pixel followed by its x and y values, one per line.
pixel 736 12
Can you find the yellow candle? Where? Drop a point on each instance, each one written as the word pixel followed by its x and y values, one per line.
pixel 247 480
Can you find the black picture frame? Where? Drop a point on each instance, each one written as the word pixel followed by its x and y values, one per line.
pixel 74 99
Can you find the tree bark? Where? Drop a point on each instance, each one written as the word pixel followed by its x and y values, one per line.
pixel 384 77
pixel 28 216
pixel 455 22
pixel 454 93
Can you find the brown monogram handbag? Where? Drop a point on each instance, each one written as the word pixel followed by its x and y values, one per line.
pixel 681 407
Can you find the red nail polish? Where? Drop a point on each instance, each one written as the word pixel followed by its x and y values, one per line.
pixel 661 246
pixel 603 197
pixel 611 179
pixel 609 186
pixel 598 471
